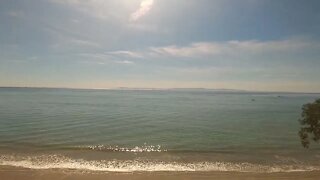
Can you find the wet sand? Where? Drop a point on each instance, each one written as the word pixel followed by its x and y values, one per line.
pixel 14 173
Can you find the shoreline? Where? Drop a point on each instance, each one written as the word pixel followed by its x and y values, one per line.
pixel 17 173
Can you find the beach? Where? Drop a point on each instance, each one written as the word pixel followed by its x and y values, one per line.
pixel 15 173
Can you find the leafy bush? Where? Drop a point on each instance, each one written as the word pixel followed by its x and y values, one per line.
pixel 310 122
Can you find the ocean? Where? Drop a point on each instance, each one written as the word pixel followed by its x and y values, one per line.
pixel 154 130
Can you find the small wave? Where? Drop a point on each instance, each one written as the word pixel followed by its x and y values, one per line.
pixel 62 162
pixel 136 149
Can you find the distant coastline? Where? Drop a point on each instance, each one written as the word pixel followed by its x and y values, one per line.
pixel 162 89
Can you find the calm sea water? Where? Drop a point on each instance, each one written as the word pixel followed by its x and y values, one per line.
pixel 138 130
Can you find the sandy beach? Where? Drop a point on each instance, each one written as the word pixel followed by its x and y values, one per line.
pixel 13 173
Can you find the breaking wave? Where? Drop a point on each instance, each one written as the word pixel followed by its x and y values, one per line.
pixel 136 149
pixel 62 162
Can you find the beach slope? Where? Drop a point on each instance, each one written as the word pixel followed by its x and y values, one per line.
pixel 13 173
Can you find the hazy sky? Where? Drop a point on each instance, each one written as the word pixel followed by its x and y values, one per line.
pixel 271 45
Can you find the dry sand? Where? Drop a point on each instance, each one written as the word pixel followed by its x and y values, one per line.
pixel 13 173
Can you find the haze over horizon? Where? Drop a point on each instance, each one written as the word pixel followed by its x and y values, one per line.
pixel 256 45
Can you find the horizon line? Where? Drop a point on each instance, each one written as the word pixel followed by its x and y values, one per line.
pixel 162 89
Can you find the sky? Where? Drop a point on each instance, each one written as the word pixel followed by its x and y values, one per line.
pixel 260 45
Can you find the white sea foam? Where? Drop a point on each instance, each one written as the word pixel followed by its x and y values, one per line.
pixel 61 162
pixel 136 149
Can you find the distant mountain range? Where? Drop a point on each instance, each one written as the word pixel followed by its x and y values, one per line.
pixel 183 89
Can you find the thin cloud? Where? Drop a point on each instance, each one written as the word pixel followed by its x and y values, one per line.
pixel 145 7
pixel 69 43
pixel 100 56
pixel 201 49
pixel 127 54
pixel 81 42
pixel 102 59
pixel 222 49
pixel 124 62
pixel 65 40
